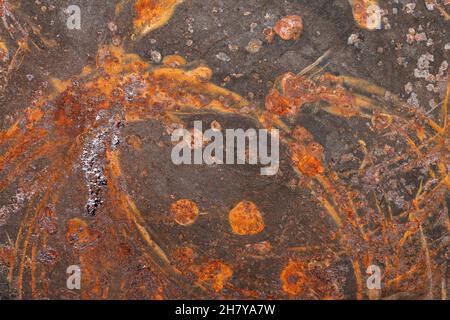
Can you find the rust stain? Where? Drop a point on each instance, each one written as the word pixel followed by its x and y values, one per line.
pixel 216 273
pixel 184 212
pixel 365 13
pixel 152 14
pixel 309 280
pixel 87 115
pixel 289 27
pixel 246 219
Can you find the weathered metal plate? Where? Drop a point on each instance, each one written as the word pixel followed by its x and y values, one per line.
pixel 358 90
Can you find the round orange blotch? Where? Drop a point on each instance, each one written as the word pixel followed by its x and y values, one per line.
pixel 293 278
pixel 216 273
pixel 310 166
pixel 174 61
pixel 289 27
pixel 276 103
pixel 183 257
pixel 80 235
pixel 246 219
pixel 184 212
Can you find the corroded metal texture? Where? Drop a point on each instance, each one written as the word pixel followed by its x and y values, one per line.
pixel 358 90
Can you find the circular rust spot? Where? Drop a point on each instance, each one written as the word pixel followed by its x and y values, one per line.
pixel 216 273
pixel 289 27
pixel 245 219
pixel 184 212
pixel 183 257
pixel 293 278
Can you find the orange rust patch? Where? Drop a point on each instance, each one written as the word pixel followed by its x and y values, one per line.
pixel 245 219
pixel 174 61
pixel 269 34
pixel 183 257
pixel 310 279
pixel 3 51
pixel 152 14
pixel 184 212
pixel 306 153
pixel 134 141
pixel 364 14
pixel 289 27
pixel 293 278
pixel 202 73
pixel 216 273
pixel 292 92
pixel 308 165
pixel 79 234
pixel 276 103
pixel 34 114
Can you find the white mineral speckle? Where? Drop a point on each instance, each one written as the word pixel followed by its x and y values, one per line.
pixel 222 56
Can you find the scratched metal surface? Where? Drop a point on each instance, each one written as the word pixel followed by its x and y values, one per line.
pixel 86 177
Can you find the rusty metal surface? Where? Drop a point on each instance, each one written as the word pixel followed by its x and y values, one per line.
pixel 86 176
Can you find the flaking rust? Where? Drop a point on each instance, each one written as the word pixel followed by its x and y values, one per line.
pixel 86 177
